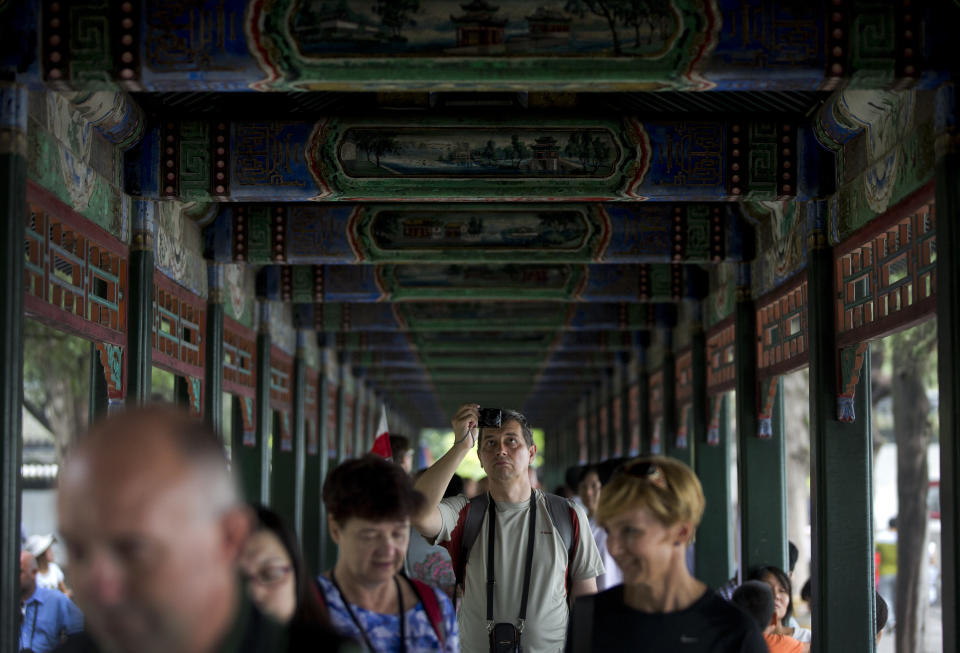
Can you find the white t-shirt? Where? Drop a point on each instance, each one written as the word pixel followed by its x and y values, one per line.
pixel 547 611
pixel 52 578
pixel 612 574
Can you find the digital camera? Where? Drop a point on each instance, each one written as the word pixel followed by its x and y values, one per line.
pixel 490 418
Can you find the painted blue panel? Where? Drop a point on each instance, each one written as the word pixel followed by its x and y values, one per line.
pixel 318 234
pixel 268 162
pixel 141 166
pixel 686 158
pixel 351 283
pixel 218 237
pixel 611 283
pixel 782 44
pixel 196 46
pixel 635 240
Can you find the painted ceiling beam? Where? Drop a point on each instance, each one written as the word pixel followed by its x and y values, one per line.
pixel 501 341
pixel 597 282
pixel 337 234
pixel 474 316
pixel 286 45
pixel 481 358
pixel 436 158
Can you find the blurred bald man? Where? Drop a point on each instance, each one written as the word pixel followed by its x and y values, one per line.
pixel 153 524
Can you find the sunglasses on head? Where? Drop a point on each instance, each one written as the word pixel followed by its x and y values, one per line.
pixel 649 471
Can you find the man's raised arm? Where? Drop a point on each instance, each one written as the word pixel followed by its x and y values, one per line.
pixel 433 482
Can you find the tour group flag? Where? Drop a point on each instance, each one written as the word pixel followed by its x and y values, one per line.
pixel 381 446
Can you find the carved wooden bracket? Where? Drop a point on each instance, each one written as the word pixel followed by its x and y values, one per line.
pixel 768 393
pixel 851 362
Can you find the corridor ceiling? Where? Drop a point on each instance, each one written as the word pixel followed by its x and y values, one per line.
pixel 474 202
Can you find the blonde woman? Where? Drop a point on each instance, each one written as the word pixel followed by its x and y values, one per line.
pixel 650 510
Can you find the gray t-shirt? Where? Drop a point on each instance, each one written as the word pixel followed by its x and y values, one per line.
pixel 547 606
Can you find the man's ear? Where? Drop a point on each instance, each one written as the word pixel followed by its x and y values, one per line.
pixel 533 451
pixel 236 525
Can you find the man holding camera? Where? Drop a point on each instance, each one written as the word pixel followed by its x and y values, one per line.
pixel 521 556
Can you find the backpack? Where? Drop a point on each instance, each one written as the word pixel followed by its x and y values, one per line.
pixel 431 606
pixel 562 516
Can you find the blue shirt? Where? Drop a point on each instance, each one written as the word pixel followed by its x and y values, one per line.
pixel 383 630
pixel 47 615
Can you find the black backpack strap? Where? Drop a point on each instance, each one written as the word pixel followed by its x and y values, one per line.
pixel 562 518
pixel 581 625
pixel 562 515
pixel 476 510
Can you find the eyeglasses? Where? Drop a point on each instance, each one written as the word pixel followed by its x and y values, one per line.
pixel 647 470
pixel 268 575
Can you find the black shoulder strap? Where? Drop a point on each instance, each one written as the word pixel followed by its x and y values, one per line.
pixel 562 518
pixel 581 625
pixel 561 515
pixel 476 509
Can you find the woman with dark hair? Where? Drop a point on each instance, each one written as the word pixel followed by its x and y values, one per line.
pixel 277 578
pixel 779 636
pixel 369 502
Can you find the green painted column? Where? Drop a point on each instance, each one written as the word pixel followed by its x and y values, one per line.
pixel 763 525
pixel 299 435
pixel 713 550
pixel 948 335
pixel 670 420
pixel 140 270
pixel 841 483
pixel 214 356
pixel 13 203
pixel 328 435
pixel 343 419
pixel 264 413
pixel 643 403
pixel 99 399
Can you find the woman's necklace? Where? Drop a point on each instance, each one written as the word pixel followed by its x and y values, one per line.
pixel 356 621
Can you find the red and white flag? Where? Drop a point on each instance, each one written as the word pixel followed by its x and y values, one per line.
pixel 381 445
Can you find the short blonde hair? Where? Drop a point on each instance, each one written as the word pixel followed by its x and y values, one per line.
pixel 665 486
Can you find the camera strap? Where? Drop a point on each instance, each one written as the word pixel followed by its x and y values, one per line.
pixel 491 581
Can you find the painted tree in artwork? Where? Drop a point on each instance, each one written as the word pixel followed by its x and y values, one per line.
pixel 395 15
pixel 652 15
pixel 609 10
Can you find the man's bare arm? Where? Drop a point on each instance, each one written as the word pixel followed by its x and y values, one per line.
pixel 582 588
pixel 433 482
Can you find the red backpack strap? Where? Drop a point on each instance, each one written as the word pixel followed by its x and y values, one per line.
pixel 431 606
pixel 321 599
pixel 462 538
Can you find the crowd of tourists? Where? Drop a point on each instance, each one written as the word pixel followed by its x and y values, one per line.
pixel 164 555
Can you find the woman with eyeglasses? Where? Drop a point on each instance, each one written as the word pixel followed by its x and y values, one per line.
pixel 650 510
pixel 369 502
pixel 277 580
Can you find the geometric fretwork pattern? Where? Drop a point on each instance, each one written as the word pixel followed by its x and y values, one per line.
pixel 782 328
pixel 239 353
pixel 721 364
pixel 73 272
pixel 889 278
pixel 178 323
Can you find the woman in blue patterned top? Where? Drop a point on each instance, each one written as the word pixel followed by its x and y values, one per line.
pixel 369 502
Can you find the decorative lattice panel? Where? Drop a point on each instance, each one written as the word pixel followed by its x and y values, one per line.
pixel 74 275
pixel 886 277
pixel 239 358
pixel 782 329
pixel 179 322
pixel 721 368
